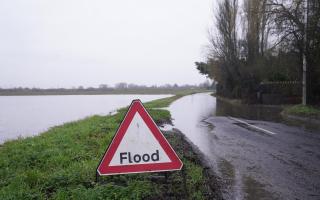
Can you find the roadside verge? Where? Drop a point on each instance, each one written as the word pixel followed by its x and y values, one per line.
pixel 302 113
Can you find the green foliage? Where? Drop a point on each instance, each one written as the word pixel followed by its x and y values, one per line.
pixel 165 102
pixel 301 110
pixel 194 179
pixel 61 163
pixel 203 68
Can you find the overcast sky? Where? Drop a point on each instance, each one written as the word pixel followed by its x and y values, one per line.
pixel 65 43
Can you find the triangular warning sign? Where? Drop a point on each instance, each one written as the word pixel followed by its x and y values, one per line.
pixel 138 146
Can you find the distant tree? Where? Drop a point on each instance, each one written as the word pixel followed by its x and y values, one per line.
pixel 133 86
pixel 206 84
pixel 121 85
pixel 154 86
pixel 103 86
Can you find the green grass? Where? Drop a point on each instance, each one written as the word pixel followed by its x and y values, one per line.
pixel 304 111
pixel 165 102
pixel 61 163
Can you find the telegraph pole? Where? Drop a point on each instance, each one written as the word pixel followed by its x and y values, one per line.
pixel 304 61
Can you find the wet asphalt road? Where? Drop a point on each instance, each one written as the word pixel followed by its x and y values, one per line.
pixel 255 159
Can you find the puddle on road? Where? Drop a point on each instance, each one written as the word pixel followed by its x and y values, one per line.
pixel 255 190
pixel 241 187
pixel 227 171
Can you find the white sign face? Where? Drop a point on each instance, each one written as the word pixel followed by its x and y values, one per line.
pixel 138 146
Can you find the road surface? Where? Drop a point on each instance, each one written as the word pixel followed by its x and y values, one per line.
pixel 256 159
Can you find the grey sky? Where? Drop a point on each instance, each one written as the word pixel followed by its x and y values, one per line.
pixel 65 43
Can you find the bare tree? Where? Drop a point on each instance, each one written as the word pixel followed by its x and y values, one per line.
pixel 291 29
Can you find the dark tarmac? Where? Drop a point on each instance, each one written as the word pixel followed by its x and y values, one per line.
pixel 256 154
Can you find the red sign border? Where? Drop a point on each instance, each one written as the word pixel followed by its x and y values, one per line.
pixel 104 168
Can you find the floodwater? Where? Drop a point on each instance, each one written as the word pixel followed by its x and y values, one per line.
pixel 255 112
pixel 256 153
pixel 22 116
pixel 190 114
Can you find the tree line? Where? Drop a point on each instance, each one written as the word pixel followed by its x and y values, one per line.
pixel 256 41
pixel 121 85
pixel 118 88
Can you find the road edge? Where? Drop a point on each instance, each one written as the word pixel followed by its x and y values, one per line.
pixel 213 182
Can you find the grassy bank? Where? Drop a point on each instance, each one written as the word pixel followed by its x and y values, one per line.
pixel 303 111
pixel 61 164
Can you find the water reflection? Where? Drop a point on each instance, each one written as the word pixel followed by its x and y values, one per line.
pixel 260 113
pixel 30 115
pixel 190 111
pixel 252 112
pixel 189 114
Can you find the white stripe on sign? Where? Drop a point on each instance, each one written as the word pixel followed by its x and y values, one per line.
pixel 253 126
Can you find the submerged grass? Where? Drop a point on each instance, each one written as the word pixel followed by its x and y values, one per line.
pixel 61 164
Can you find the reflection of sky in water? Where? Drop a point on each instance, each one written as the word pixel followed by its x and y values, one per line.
pixel 188 114
pixel 29 115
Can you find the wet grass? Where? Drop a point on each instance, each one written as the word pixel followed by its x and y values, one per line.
pixel 61 164
pixel 165 102
pixel 303 111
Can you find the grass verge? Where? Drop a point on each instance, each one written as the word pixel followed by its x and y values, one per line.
pixel 303 111
pixel 61 164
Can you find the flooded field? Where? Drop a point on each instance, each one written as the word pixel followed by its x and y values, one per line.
pixel 30 115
